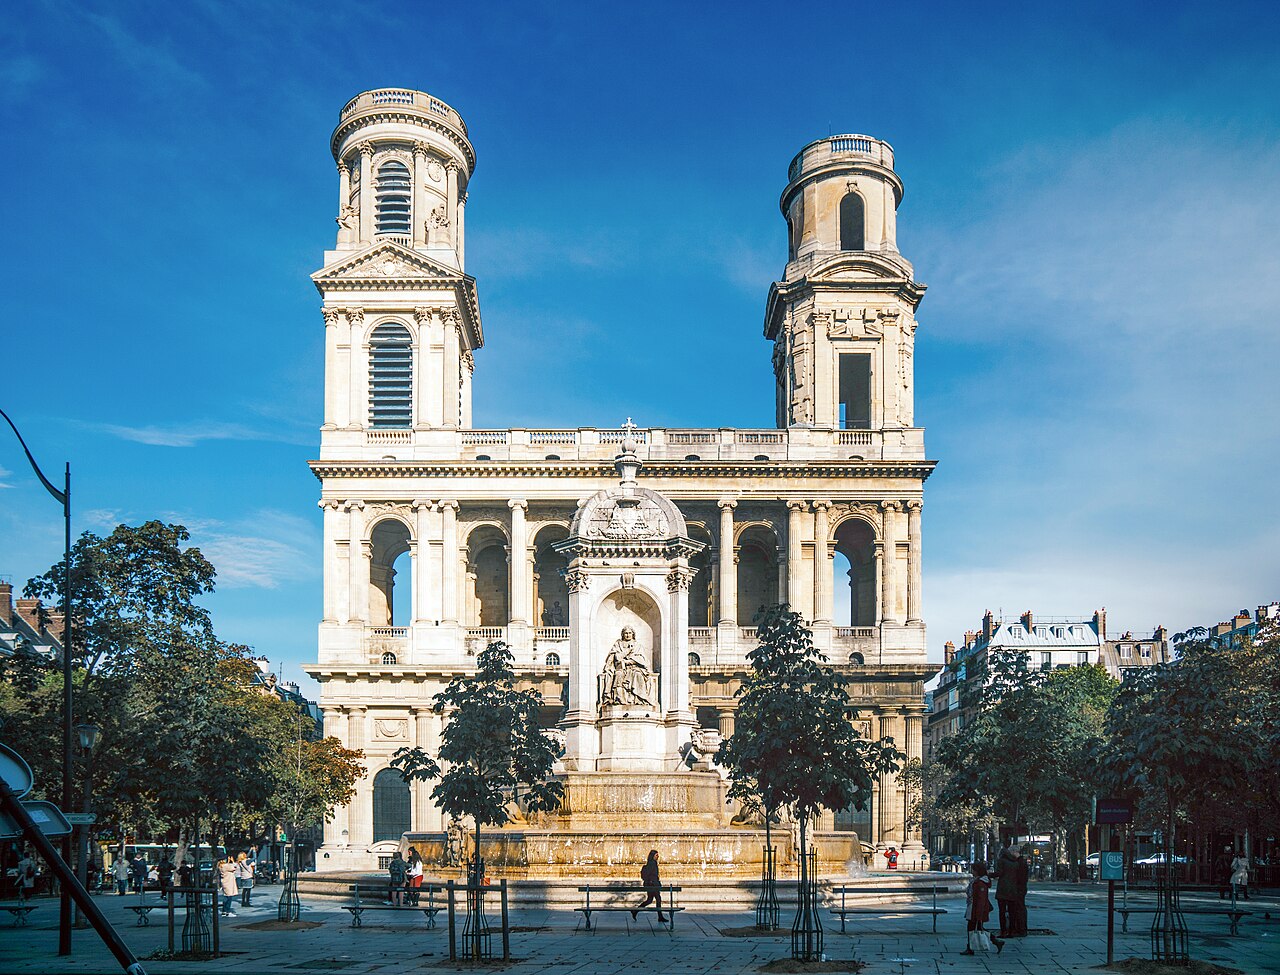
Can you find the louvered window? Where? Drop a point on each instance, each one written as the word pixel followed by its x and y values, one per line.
pixel 391 377
pixel 391 199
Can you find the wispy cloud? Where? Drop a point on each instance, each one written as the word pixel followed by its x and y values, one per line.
pixel 193 434
pixel 1118 302
pixel 5 474
pixel 265 550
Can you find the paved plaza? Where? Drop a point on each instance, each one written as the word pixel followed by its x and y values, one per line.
pixel 553 941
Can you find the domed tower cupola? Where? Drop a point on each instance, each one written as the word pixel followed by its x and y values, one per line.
pixel 404 162
pixel 842 319
pixel 842 195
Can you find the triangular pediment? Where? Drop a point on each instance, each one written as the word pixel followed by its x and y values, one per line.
pixel 387 261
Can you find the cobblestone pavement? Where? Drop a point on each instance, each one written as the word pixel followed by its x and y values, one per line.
pixel 387 944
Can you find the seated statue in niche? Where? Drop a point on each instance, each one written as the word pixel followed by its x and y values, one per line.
pixel 627 679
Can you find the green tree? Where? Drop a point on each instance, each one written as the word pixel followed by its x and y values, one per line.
pixel 1029 751
pixel 493 751
pixel 794 740
pixel 134 594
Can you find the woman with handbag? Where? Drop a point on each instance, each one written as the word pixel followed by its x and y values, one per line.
pixel 977 908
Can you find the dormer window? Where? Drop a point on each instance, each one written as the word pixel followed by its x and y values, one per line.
pixel 392 189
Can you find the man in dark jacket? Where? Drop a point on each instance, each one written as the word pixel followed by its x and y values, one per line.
pixel 1023 872
pixel 1006 873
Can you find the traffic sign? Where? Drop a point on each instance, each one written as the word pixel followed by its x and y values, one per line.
pixel 81 819
pixel 1111 866
pixel 1113 812
pixel 15 772
pixel 47 817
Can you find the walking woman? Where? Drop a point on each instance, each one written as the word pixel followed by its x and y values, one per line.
pixel 244 877
pixel 1240 876
pixel 225 875
pixel 652 886
pixel 977 908
pixel 414 874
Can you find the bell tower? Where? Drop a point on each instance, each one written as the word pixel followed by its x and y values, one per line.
pixel 402 316
pixel 842 319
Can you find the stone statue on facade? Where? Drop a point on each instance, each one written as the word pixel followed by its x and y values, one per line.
pixel 627 679
pixel 347 218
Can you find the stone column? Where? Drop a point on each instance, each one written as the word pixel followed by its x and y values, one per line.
pixel 888 791
pixel 420 792
pixel 451 213
pixel 330 567
pixel 335 726
pixel 366 192
pixel 357 390
pixel 344 186
pixel 914 748
pixel 451 366
pixel 822 570
pixel 449 584
pixel 889 567
pixel 360 811
pixel 913 561
pixel 358 570
pixel 519 564
pixel 728 569
pixel 419 209
pixel 422 608
pixel 795 584
pixel 341 370
pixel 462 232
pixel 724 718
pixel 332 382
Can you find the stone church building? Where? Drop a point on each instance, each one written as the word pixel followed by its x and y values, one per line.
pixel 557 540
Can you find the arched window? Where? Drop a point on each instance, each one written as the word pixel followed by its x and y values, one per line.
pixel 391 810
pixel 391 377
pixel 695 660
pixel 553 660
pixel 388 657
pixel 392 213
pixel 853 223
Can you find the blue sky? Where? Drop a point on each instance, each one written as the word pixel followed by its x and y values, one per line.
pixel 1091 198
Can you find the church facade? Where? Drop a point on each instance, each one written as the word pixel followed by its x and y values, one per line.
pixel 558 541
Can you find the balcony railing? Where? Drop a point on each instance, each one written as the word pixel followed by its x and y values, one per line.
pixel 551 634
pixel 389 632
pixel 702 635
pixel 656 443
pixel 406 98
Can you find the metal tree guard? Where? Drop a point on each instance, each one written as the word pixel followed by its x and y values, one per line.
pixel 806 930
pixel 767 903
pixel 197 928
pixel 477 937
pixel 1169 927
pixel 290 907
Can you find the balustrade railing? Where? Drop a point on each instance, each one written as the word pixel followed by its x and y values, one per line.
pixel 389 436
pixel 855 632
pixel 389 632
pixel 551 634
pixel 702 635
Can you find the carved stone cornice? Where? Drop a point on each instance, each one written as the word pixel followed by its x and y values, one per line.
pixel 817 471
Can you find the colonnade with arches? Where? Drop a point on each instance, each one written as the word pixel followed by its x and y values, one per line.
pixel 849 566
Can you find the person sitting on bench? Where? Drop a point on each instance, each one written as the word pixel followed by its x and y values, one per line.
pixel 652 886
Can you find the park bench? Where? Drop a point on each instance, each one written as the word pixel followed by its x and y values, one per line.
pixel 1233 914
pixel 615 905
pixel 882 910
pixel 18 912
pixel 142 910
pixel 429 909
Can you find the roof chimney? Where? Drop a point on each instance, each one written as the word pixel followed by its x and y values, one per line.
pixel 1161 635
pixel 948 651
pixel 1027 620
pixel 1100 622
pixel 29 610
pixel 6 603
pixel 1242 619
pixel 988 625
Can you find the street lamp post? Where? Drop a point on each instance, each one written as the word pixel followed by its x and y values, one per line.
pixel 68 715
pixel 88 741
